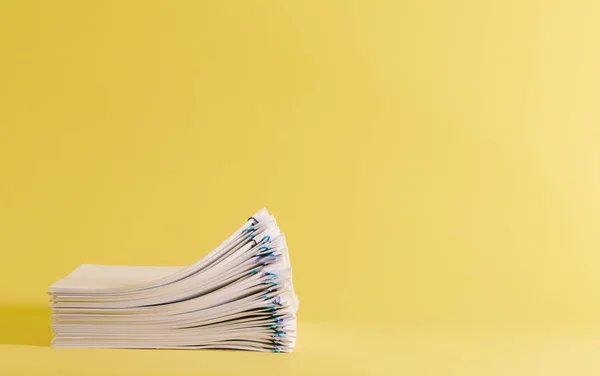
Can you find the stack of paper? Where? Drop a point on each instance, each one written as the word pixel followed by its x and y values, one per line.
pixel 239 296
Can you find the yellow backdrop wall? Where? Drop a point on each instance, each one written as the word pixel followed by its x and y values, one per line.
pixel 430 162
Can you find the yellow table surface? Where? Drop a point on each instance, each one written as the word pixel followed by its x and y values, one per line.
pixel 324 348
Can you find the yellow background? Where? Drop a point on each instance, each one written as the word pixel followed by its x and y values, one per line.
pixel 434 164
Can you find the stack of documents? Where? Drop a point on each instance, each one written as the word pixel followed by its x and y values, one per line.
pixel 239 296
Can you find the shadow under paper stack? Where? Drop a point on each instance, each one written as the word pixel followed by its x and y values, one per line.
pixel 239 296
